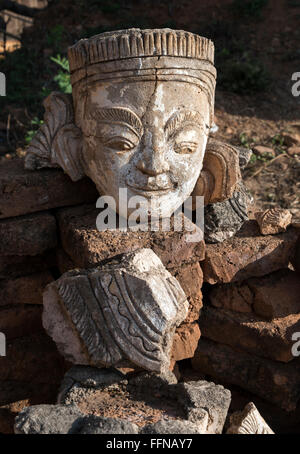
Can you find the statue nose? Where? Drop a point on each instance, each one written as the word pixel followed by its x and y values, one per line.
pixel 152 161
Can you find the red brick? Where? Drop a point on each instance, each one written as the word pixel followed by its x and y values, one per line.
pixel 248 254
pixel 24 191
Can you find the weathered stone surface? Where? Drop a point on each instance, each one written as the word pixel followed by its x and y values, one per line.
pixel 202 395
pixel 224 219
pixel 86 246
pixel 190 277
pixel 127 309
pixel 248 422
pixel 140 398
pixel 24 192
pixel 25 289
pixel 248 332
pixel 27 235
pixel 273 220
pixel 20 320
pixel 185 341
pixel 173 114
pixel 248 254
pixel 86 377
pixel 49 419
pixel 32 359
pixel 177 427
pixel 275 382
pixel 96 425
pixel 271 296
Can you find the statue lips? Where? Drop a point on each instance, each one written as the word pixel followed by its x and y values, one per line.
pixel 151 188
pixel 150 192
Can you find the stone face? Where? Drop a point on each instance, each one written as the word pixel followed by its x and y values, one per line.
pixel 248 254
pixel 272 296
pixel 224 219
pixel 27 235
pixel 24 192
pixel 154 147
pixel 248 422
pixel 273 220
pixel 86 246
pixel 248 332
pixel 202 395
pixel 275 382
pixel 48 419
pixel 127 309
pixel 25 289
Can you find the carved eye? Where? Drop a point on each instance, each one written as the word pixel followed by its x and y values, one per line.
pixel 120 144
pixel 185 147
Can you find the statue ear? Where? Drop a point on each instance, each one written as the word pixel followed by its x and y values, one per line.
pixel 220 173
pixel 58 142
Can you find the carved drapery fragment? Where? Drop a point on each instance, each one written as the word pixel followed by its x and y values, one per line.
pixel 125 310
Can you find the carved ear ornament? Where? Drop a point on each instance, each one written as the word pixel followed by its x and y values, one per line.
pixel 58 142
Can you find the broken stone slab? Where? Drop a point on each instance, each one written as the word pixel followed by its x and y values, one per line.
pixel 125 310
pixel 153 402
pixel 87 377
pixel 96 425
pixel 250 333
pixel 32 359
pixel 48 419
pixel 272 296
pixel 24 289
pixel 275 382
pixel 202 395
pixel 86 246
pixel 176 427
pixel 273 220
pixel 248 422
pixel 224 219
pixel 27 235
pixel 248 254
pixel 23 192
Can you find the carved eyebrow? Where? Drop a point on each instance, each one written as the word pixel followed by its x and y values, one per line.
pixel 181 117
pixel 117 115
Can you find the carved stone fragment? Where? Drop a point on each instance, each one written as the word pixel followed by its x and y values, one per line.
pixel 248 422
pixel 273 220
pixel 126 310
pixel 224 219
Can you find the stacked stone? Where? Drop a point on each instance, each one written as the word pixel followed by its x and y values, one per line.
pixel 32 367
pixel 251 314
pixel 83 246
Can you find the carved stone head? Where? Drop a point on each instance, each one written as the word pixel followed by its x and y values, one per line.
pixel 139 119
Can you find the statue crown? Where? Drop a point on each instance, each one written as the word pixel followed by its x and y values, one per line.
pixel 137 43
